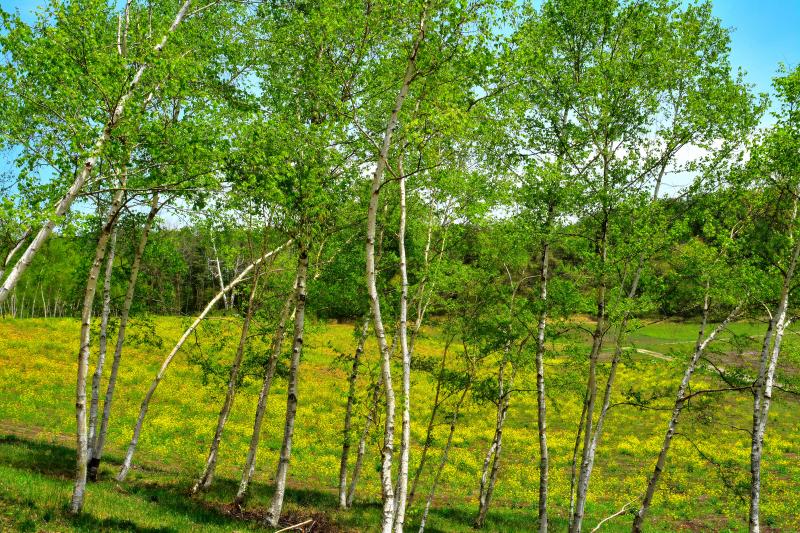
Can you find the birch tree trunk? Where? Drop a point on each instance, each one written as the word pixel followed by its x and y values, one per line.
pixel 574 464
pixel 594 431
pixel 126 465
pixel 362 443
pixel 680 401
pixel 211 461
pixel 274 513
pixel 587 455
pixel 402 474
pixel 82 461
pixel 261 407
pixel 387 490
pixel 219 271
pixel 544 461
pixel 11 253
pixel 348 414
pixel 489 476
pixel 82 175
pixel 765 384
pixel 443 460
pixel 429 431
pixel 101 353
pixel 100 436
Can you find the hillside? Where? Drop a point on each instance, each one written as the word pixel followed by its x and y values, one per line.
pixel 705 483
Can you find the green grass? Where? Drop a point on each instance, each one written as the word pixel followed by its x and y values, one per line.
pixel 704 487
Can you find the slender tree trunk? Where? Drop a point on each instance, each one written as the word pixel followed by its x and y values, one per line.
pixel 387 489
pixel 82 462
pixel 16 248
pixel 574 464
pixel 593 432
pixel 100 437
pixel 587 456
pixel 219 272
pixel 274 513
pixel 489 476
pixel 211 461
pixel 126 465
pixel 101 354
pixel 765 384
pixel 429 431
pixel 680 401
pixel 544 461
pixel 362 443
pixel 82 175
pixel 261 408
pixel 348 413
pixel 402 474
pixel 442 460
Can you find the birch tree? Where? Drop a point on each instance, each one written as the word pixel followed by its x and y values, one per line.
pixel 78 492
pixel 84 170
pixel 98 443
pixel 776 164
pixel 128 460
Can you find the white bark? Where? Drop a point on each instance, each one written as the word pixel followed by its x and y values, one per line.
pixel 85 171
pixel 126 465
pixel 82 462
pixel 442 461
pixel 587 456
pixel 211 461
pixel 489 475
pixel 99 441
pixel 680 401
pixel 765 384
pixel 101 353
pixel 593 433
pixel 269 374
pixel 348 414
pixel 544 461
pixel 402 474
pixel 274 513
pixel 219 271
pixel 387 489
pixel 11 253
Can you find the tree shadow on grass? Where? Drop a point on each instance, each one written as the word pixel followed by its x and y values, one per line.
pixel 58 462
pixel 170 491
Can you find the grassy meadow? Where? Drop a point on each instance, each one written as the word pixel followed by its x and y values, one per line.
pixel 705 486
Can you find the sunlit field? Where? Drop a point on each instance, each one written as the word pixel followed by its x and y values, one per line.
pixel 705 485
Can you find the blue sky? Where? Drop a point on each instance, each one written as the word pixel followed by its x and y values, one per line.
pixel 765 32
